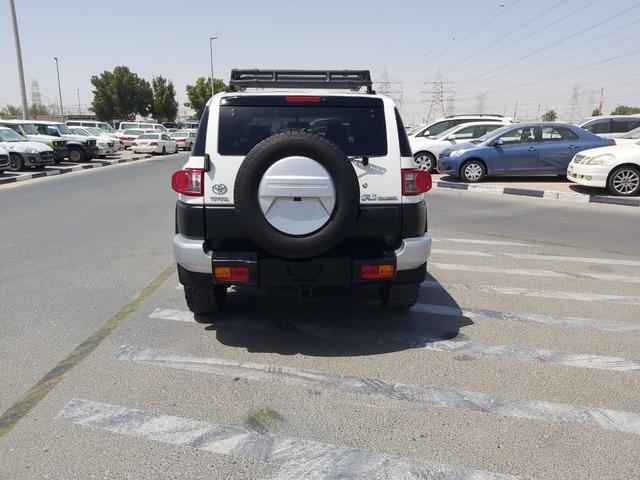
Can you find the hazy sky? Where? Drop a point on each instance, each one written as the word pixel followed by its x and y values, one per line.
pixel 528 51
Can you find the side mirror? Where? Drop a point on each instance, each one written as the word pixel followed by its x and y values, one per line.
pixel 498 142
pixel 426 133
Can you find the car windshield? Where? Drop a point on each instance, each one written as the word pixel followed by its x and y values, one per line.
pixel 106 127
pixel 94 131
pixel 149 136
pixel 63 129
pixel 633 134
pixel 29 128
pixel 133 132
pixel 445 133
pixel 80 131
pixel 180 134
pixel 492 133
pixel 9 135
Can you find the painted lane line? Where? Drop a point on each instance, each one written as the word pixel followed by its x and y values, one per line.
pixel 538 293
pixel 614 420
pixel 297 458
pixel 433 343
pixel 535 273
pixel 479 314
pixel 535 256
pixel 474 241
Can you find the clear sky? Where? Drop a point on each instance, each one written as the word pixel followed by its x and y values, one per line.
pixel 528 51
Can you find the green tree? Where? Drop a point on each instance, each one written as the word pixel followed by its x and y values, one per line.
pixel 625 110
pixel 120 94
pixel 37 109
pixel 11 111
pixel 550 116
pixel 164 107
pixel 200 93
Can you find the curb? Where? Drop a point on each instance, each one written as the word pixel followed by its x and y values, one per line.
pixel 549 194
pixel 76 168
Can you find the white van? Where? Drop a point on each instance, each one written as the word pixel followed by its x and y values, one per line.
pixel 104 126
pixel 142 125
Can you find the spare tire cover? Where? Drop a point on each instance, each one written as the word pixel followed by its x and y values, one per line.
pixel 297 194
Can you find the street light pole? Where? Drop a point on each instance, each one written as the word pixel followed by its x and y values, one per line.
pixel 79 109
pixel 16 36
pixel 59 89
pixel 211 39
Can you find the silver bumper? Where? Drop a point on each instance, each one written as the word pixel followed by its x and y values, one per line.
pixel 189 253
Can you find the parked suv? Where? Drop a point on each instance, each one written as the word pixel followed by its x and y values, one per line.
pixel 23 152
pixel 80 148
pixel 610 126
pixel 29 131
pixel 300 187
pixel 103 126
pixel 440 125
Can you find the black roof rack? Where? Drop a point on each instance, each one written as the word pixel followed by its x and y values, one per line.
pixel 342 79
pixel 475 115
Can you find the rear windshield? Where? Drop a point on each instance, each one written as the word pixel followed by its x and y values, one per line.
pixel 150 136
pixel 357 131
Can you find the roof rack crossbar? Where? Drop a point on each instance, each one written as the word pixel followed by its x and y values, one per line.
pixel 338 79
pixel 475 115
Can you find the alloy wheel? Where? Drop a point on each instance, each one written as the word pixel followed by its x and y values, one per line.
pixel 626 182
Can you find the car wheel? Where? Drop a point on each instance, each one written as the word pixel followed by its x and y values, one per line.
pixel 205 299
pixel 176 150
pixel 624 181
pixel 190 147
pixel 399 296
pixel 76 155
pixel 15 162
pixel 164 150
pixel 425 161
pixel 472 171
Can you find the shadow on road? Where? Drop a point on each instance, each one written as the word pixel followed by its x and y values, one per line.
pixel 333 323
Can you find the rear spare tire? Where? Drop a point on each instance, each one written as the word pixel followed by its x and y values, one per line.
pixel 297 194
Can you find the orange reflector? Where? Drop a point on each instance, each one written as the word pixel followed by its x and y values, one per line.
pixel 231 274
pixel 376 272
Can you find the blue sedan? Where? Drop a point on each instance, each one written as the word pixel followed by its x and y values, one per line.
pixel 541 148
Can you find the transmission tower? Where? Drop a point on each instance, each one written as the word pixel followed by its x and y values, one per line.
pixel 575 113
pixel 389 87
pixel 437 90
pixel 451 105
pixel 480 102
pixel 36 98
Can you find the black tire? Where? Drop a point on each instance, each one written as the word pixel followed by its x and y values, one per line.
pixel 205 299
pixel 190 147
pixel 624 181
pixel 164 150
pixel 425 160
pixel 400 296
pixel 15 162
pixel 473 171
pixel 345 181
pixel 77 154
pixel 177 149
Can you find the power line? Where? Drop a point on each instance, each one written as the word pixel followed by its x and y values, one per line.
pixel 390 87
pixel 439 88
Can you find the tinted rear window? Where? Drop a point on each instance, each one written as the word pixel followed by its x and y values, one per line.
pixel 356 130
pixel 405 147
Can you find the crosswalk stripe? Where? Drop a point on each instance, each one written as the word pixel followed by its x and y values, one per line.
pixel 535 273
pixel 538 293
pixel 534 256
pixel 478 314
pixel 297 458
pixel 585 416
pixel 433 343
pixel 474 241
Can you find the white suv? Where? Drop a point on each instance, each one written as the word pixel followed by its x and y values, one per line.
pixel 289 185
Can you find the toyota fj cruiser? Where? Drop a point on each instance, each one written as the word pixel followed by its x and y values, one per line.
pixel 300 179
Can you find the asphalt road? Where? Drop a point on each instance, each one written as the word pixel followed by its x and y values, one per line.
pixel 521 361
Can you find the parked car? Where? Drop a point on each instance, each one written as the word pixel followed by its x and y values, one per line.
pixel 29 131
pixel 615 168
pixel 80 148
pixel 154 143
pixel 128 136
pixel 427 149
pixel 190 125
pixel 108 136
pixel 630 137
pixel 440 125
pixel 106 145
pixel 141 125
pixel 23 152
pixel 519 149
pixel 4 159
pixel 103 126
pixel 610 126
pixel 184 138
pixel 170 125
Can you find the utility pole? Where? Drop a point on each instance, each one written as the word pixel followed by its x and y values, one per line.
pixel 574 106
pixel 439 89
pixel 515 112
pixel 211 39
pixel 538 113
pixel 601 106
pixel 59 89
pixel 390 87
pixel 79 109
pixel 480 99
pixel 16 37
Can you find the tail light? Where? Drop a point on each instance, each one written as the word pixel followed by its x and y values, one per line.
pixel 231 274
pixel 306 99
pixel 188 182
pixel 377 272
pixel 134 144
pixel 153 144
pixel 611 142
pixel 415 182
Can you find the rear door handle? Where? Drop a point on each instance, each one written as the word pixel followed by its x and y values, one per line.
pixel 531 149
pixel 572 147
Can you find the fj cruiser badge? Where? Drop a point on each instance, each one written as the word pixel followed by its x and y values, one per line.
pixel 219 189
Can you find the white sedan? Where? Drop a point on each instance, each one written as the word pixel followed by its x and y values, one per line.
pixel 184 138
pixel 427 149
pixel 630 137
pixel 615 168
pixel 154 143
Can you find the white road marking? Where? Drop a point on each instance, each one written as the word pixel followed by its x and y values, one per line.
pixel 433 343
pixel 614 420
pixel 577 322
pixel 535 256
pixel 538 293
pixel 536 273
pixel 297 458
pixel 474 241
